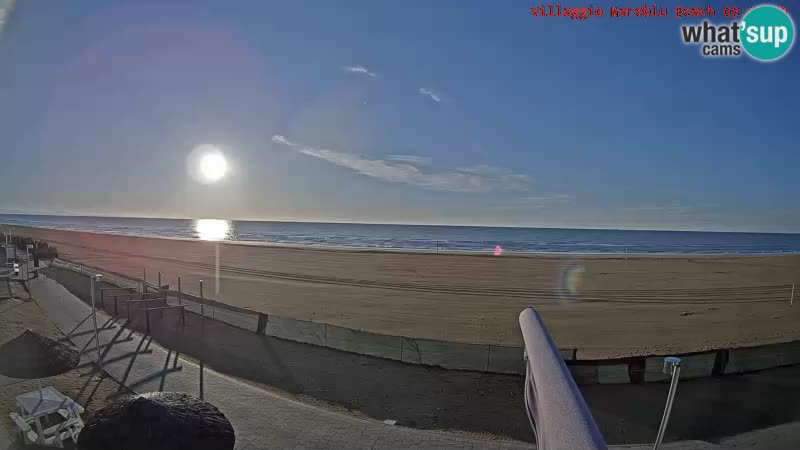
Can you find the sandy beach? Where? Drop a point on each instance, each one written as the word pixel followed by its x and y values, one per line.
pixel 81 384
pixel 604 306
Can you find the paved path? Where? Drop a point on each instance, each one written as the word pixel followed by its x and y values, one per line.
pixel 261 419
pixel 781 437
pixel 5 439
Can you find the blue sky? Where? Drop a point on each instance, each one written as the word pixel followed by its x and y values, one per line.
pixel 455 112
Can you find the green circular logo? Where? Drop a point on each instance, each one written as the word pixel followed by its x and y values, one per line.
pixel 767 33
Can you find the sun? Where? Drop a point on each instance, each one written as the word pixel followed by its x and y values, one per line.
pixel 213 166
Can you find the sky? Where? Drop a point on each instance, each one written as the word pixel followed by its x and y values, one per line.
pixel 447 112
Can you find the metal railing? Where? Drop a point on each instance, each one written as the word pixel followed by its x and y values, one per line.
pixel 558 414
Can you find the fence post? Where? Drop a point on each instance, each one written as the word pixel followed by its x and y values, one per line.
pixel 791 300
pixel 92 279
pixel 202 301
pixel 144 280
pixel 147 317
pixel 159 281
pixel 180 301
pixel 116 307
pixel 202 397
pixel 262 323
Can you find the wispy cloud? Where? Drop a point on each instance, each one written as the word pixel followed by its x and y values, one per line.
pixel 395 171
pixel 361 70
pixel 665 215
pixel 5 11
pixel 410 159
pixel 432 95
pixel 680 210
pixel 536 202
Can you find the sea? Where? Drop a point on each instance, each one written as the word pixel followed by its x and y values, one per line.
pixel 426 237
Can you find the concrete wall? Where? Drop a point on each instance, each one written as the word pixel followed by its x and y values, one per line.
pixel 296 330
pixel 238 317
pixel 363 342
pixel 692 366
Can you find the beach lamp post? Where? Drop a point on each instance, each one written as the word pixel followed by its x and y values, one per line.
pixel 92 280
pixel 672 365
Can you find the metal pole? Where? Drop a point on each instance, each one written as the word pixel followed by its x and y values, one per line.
pixel 94 320
pixel 671 364
pixel 202 301
pixel 202 338
pixel 27 268
pixel 144 280
pixel 791 300
pixel 216 272
pixel 159 281
pixel 201 380
pixel 180 302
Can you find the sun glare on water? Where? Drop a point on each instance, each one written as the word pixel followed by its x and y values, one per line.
pixel 212 229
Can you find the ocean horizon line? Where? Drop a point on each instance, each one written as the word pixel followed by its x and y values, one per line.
pixel 325 222
pixel 438 238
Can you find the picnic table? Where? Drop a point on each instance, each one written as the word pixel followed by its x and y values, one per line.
pixel 46 401
pixel 48 405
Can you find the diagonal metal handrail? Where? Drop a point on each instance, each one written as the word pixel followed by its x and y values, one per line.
pixel 558 414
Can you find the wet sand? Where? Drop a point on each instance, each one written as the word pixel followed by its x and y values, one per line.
pixel 603 305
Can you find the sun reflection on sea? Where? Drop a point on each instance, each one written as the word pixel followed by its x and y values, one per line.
pixel 213 229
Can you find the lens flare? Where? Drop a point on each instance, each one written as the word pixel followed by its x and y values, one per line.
pixel 574 280
pixel 212 229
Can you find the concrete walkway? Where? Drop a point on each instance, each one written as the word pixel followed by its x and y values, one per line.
pixel 5 439
pixel 261 419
